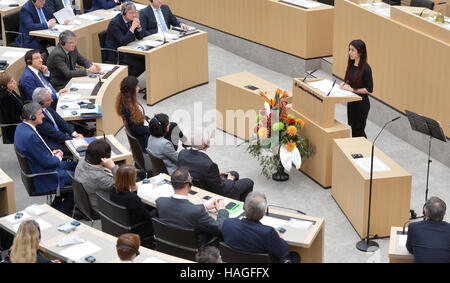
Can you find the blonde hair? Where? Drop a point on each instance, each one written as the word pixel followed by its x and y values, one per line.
pixel 26 243
pixel 5 78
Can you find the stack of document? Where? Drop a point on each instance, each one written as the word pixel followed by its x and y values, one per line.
pixel 324 86
pixel 149 43
pixel 80 145
pixel 155 191
pixel 378 165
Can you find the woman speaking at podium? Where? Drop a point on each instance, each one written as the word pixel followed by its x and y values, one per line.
pixel 358 79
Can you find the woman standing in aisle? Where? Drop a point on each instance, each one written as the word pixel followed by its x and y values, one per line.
pixel 358 79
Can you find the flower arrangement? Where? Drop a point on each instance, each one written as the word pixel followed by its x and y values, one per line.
pixel 278 142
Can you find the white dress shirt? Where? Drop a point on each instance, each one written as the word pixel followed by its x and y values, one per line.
pixel 157 19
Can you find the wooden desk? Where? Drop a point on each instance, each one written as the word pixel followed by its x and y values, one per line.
pixel 237 106
pixel 398 253
pixel 106 96
pixel 316 109
pixel 309 244
pixel 86 30
pixel 391 190
pixel 106 243
pixel 119 154
pixel 5 10
pixel 7 199
pixel 16 62
pixel 410 67
pixel 174 66
pixel 306 33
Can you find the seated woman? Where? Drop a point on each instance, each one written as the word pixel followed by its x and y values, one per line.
pixel 134 118
pixel 25 247
pixel 96 170
pixel 124 192
pixel 10 106
pixel 159 146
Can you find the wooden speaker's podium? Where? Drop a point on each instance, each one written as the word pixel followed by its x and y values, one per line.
pixel 317 111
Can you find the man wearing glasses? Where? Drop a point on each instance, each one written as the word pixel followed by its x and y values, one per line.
pixel 64 58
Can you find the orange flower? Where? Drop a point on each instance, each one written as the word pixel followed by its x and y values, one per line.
pixel 300 123
pixel 291 130
pixel 270 101
pixel 263 133
pixel 290 146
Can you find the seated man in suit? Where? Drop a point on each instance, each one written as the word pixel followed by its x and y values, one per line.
pixel 53 129
pixel 36 75
pixel 42 159
pixel 64 58
pixel 203 169
pixel 56 5
pixel 105 4
pixel 250 235
pixel 178 210
pixel 429 240
pixel 123 29
pixel 35 15
pixel 156 17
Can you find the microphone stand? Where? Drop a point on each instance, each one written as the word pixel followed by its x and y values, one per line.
pixel 368 245
pixel 164 34
pixel 272 205
pixel 309 74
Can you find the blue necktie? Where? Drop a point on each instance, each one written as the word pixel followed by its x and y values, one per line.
pixel 163 25
pixel 47 84
pixel 67 4
pixel 42 16
pixel 51 118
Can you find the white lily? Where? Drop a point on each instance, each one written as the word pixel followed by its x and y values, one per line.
pixel 289 157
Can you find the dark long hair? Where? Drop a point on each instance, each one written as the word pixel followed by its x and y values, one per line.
pixel 127 99
pixel 358 78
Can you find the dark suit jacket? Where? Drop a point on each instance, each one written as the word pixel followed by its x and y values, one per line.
pixel 59 66
pixel 29 21
pixel 254 237
pixel 149 23
pixel 11 108
pixel 30 81
pixel 56 5
pixel 119 34
pixel 184 214
pixel 138 211
pixel 103 4
pixel 429 241
pixel 39 158
pixel 202 168
pixel 55 139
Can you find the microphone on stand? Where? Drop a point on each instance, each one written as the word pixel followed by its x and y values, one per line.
pixel 309 74
pixel 272 205
pixel 162 30
pixel 365 245
pixel 104 136
pixel 403 231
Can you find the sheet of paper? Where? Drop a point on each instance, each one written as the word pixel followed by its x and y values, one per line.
pixel 304 3
pixel 139 6
pixel 273 222
pixel 169 36
pixel 160 191
pixel 7 2
pixel 384 12
pixel 106 68
pixel 150 43
pixel 70 105
pixel 64 14
pixel 323 86
pixel 42 225
pixel 77 252
pixel 300 224
pixel 59 27
pixel 11 218
pixel 83 85
pixel 13 54
pixel 338 92
pixel 70 98
pixel 153 260
pixel 89 17
pixel 36 209
pixel 402 240
pixel 378 165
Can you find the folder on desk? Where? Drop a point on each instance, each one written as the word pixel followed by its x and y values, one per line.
pixel 91 113
pixel 81 145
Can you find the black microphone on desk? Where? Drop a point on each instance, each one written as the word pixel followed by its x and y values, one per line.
pixel 331 88
pixel 309 74
pixel 420 15
pixel 104 136
pixel 272 205
pixel 404 225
